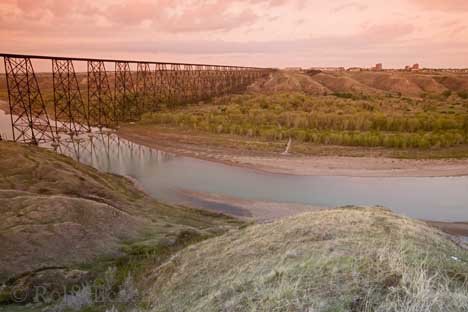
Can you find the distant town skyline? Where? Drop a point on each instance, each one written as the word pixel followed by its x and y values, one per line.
pixel 269 33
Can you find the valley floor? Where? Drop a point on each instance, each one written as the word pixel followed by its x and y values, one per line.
pixel 252 155
pixel 4 106
pixel 317 160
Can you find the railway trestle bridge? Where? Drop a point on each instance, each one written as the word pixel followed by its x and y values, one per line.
pixel 75 95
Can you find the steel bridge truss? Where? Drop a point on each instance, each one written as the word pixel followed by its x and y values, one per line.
pixel 78 101
pixel 29 118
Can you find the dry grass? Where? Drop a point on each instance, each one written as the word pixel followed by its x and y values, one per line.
pixel 363 259
pixel 49 202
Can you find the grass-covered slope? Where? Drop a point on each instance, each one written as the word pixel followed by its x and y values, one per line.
pixel 56 212
pixel 348 259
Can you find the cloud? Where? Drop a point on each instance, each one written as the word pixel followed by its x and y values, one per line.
pixel 442 5
pixel 207 17
pixel 172 16
pixel 132 13
pixel 350 5
pixel 386 32
pixel 230 31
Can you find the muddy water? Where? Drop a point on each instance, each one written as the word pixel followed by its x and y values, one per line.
pixel 164 175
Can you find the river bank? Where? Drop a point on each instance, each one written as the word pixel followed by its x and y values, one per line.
pixel 4 106
pixel 236 154
pixel 265 212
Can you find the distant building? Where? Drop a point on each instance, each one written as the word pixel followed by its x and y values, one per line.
pixel 445 70
pixel 329 69
pixel 293 69
pixel 355 69
pixel 378 67
pixel 412 67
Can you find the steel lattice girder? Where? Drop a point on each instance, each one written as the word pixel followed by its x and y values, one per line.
pixel 125 93
pixel 112 97
pixel 70 110
pixel 144 82
pixel 101 109
pixel 29 118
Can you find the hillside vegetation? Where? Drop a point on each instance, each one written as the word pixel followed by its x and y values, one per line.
pixel 346 259
pixel 61 218
pixel 339 119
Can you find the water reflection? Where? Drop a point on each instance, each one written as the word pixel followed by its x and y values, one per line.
pixel 5 126
pixel 105 151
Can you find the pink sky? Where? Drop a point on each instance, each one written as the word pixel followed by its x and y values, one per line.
pixel 274 33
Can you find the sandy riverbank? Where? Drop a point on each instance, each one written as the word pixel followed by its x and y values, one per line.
pixel 264 211
pixel 4 106
pixel 303 165
pixel 259 211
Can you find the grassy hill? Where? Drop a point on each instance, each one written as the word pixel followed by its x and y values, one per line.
pixel 59 215
pixel 347 259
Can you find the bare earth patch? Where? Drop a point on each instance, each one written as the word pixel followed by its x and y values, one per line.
pixel 265 211
pixel 4 106
pixel 254 154
pixel 256 210
pixel 356 166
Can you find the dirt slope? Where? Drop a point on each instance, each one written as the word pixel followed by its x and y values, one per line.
pixel 282 81
pixel 369 83
pixel 453 82
pixel 428 84
pixel 344 84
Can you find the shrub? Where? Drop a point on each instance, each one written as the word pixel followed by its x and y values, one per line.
pixel 436 121
pixel 128 292
pixel 343 95
pixel 463 94
pixel 447 93
pixel 78 300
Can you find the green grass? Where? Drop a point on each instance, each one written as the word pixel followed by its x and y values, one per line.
pixel 390 122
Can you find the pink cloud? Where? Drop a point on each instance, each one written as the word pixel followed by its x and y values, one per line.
pixel 350 5
pixel 134 12
pixel 386 32
pixel 444 5
pixel 275 31
pixel 209 17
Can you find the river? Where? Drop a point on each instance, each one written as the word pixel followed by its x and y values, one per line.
pixel 170 178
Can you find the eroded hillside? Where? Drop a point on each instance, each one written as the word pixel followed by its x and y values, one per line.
pixel 367 83
pixel 56 212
